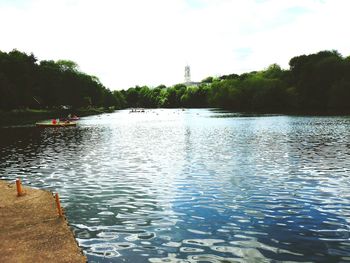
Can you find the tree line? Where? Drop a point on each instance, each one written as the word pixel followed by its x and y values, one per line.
pixel 27 83
pixel 317 82
pixel 314 83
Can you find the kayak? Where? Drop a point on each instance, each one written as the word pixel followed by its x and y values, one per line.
pixel 57 125
pixel 70 119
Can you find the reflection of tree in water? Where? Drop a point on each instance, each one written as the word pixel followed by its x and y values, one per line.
pixel 125 204
pixel 248 187
pixel 38 153
pixel 274 212
pixel 19 148
pixel 70 161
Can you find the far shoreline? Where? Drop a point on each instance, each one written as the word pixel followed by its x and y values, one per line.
pixel 30 116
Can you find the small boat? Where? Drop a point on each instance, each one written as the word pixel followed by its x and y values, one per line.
pixel 70 119
pixel 137 110
pixel 56 125
pixel 74 118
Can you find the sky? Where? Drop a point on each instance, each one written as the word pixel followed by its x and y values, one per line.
pixel 137 42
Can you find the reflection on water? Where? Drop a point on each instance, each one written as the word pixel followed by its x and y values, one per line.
pixel 194 185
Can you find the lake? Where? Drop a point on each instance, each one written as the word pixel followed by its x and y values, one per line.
pixel 196 185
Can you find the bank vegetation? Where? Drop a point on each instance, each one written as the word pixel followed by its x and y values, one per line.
pixel 315 83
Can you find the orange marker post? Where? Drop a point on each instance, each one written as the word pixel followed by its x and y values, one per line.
pixel 59 209
pixel 19 188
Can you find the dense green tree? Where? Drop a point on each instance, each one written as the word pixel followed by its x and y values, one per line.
pixel 195 97
pixel 120 99
pixel 67 65
pixel 340 96
pixel 231 76
pixel 18 79
pixel 27 83
pixel 208 80
pixel 317 82
pixel 314 75
pixel 132 97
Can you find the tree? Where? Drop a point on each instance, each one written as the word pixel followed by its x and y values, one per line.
pixel 66 65
pixel 313 77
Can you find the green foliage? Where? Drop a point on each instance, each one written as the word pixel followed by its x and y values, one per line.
pixel 208 80
pixel 317 82
pixel 120 99
pixel 67 65
pixel 315 75
pixel 25 83
pixel 340 95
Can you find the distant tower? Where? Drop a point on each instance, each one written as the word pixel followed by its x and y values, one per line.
pixel 187 74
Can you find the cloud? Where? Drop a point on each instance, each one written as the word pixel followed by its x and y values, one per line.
pixel 135 42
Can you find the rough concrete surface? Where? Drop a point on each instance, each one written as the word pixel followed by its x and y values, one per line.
pixel 30 229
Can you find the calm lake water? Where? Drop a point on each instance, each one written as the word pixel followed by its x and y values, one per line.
pixel 194 185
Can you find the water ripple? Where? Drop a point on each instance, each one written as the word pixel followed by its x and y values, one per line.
pixel 194 185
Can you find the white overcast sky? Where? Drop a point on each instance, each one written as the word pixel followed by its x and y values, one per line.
pixel 148 42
